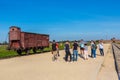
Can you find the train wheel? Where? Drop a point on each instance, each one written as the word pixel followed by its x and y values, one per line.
pixel 34 50
pixel 41 48
pixel 27 51
pixel 19 51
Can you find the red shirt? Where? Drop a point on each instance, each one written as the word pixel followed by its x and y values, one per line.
pixel 57 45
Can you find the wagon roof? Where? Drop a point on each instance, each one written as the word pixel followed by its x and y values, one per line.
pixel 36 33
pixel 14 27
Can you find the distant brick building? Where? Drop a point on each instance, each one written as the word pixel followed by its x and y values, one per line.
pixel 111 41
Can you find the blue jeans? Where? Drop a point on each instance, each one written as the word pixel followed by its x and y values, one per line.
pixel 75 55
pixel 94 53
pixel 91 52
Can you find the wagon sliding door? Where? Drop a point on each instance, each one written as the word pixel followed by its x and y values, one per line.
pixel 39 40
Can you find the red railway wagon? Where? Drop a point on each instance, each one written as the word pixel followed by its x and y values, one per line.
pixel 24 41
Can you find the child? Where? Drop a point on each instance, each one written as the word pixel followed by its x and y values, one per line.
pixel 86 52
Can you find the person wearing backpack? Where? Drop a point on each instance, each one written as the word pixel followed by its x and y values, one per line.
pixel 54 51
pixel 57 46
pixel 94 47
pixel 75 51
pixel 81 47
pixel 67 51
pixel 91 43
pixel 86 52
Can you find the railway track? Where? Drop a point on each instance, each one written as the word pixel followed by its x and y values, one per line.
pixel 116 52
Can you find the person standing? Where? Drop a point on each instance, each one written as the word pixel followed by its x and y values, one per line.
pixel 101 48
pixel 82 47
pixel 91 48
pixel 57 47
pixel 86 52
pixel 75 51
pixel 67 51
pixel 94 47
pixel 54 51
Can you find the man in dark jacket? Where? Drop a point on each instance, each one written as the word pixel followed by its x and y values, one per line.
pixel 67 50
pixel 75 51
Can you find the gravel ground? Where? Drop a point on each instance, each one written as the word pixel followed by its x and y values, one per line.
pixel 41 67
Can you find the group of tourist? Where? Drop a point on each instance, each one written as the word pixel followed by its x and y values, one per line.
pixel 83 46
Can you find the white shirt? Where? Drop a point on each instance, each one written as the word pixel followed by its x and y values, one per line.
pixel 101 46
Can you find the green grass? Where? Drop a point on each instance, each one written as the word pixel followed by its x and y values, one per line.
pixel 6 53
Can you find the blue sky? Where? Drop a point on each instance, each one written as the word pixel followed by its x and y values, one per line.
pixel 62 19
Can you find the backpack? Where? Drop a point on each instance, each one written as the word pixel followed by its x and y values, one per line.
pixel 95 46
pixel 54 46
pixel 82 45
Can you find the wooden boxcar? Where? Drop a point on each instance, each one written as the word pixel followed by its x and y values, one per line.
pixel 24 41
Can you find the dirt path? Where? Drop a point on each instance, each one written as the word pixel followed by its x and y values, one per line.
pixel 108 71
pixel 41 67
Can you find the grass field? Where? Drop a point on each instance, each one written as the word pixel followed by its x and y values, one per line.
pixel 6 53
